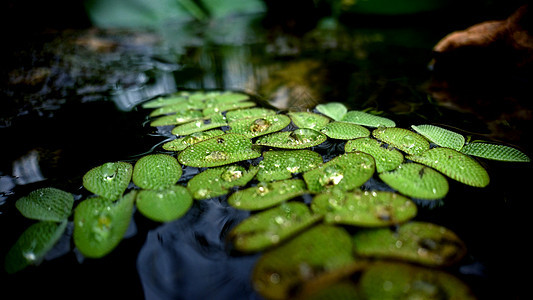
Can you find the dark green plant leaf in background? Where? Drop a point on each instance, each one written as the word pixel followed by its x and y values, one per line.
pixel 317 251
pixel 345 172
pixel 46 204
pixel 254 127
pixel 495 152
pixel 308 120
pixel 298 139
pixel 281 164
pixel 343 290
pixel 417 181
pixel 366 119
pixel 100 224
pixel 455 165
pixel 406 140
pixel 389 280
pixel 179 117
pixel 226 97
pixel 256 112
pixel 266 195
pixel 222 107
pixel 440 136
pixel 365 209
pixel 218 181
pixel 163 101
pixel 334 110
pixel 418 242
pixel 271 227
pixel 33 244
pixel 218 151
pixel 177 108
pixel 387 159
pixel 199 125
pixel 164 205
pixel 180 144
pixel 344 130
pixel 109 180
pixel 156 171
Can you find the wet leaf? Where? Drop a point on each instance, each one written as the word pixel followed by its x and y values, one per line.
pixel 180 144
pixel 440 136
pixel 100 224
pixel 455 165
pixel 297 139
pixel 254 127
pixel 344 131
pixel 344 290
pixel 217 151
pixel 317 251
pixel 388 280
pixel 495 152
pixel 46 204
pixel 366 119
pixel 33 244
pixel 403 139
pixel 109 180
pixel 308 120
pixel 271 227
pixel 266 195
pixel 156 171
pixel 345 172
pixel 179 117
pixel 255 112
pixel 334 110
pixel 418 242
pixel 164 205
pixel 417 181
pixel 218 181
pixel 386 159
pixel 178 107
pixel 164 101
pixel 221 107
pixel 199 125
pixel 229 97
pixel 281 164
pixel 365 209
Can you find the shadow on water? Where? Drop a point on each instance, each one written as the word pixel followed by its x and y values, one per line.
pixel 72 104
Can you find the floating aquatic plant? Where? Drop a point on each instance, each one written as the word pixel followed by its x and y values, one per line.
pixel 156 171
pixel 334 110
pixel 253 127
pixel 403 139
pixel 417 181
pixel 218 181
pixel 180 117
pixel 366 119
pixel 266 195
pixel 163 101
pixel 308 120
pixel 180 144
pixel 297 139
pixel 281 164
pixel 387 159
pixel 344 131
pixel 255 112
pixel 440 136
pixel 164 205
pixel 220 107
pixel 495 152
pixel 187 105
pixel 46 204
pixel 109 180
pixel 215 121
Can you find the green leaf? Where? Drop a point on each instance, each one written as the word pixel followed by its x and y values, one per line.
pixel 403 139
pixel 389 280
pixel 180 117
pixel 256 112
pixel 345 172
pixel 308 120
pixel 178 107
pixel 417 181
pixel 455 165
pixel 229 97
pixel 109 180
pixel 199 125
pixel 320 250
pixel 218 181
pixel 222 107
pixel 163 101
pixel 366 209
pixel 156 171
pixel 46 204
pixel 254 127
pixel 266 195
pixel 297 139
pixel 279 165
pixel 440 136
pixel 334 110
pixel 417 242
pixel 184 142
pixel 217 151
pixel 271 227
pixel 366 119
pixel 164 205
pixel 33 244
pixel 387 159
pixel 344 131
pixel 100 224
pixel 495 152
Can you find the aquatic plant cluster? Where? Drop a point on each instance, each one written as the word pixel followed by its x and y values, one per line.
pixel 301 203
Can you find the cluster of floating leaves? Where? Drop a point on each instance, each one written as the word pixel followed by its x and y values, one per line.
pixel 264 162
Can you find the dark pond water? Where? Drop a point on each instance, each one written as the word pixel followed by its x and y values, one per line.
pixel 71 103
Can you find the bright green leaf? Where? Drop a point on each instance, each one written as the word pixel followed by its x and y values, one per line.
pixel 440 136
pixel 366 119
pixel 406 140
pixel 279 165
pixel 387 159
pixel 417 181
pixel 46 204
pixel 184 142
pixel 163 101
pixel 109 180
pixel 254 127
pixel 266 195
pixel 309 120
pixel 222 107
pixel 199 125
pixel 164 205
pixel 218 181
pixel 344 131
pixel 256 112
pixel 334 110
pixel 156 171
pixel 298 139
pixel 179 117
pixel 495 152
